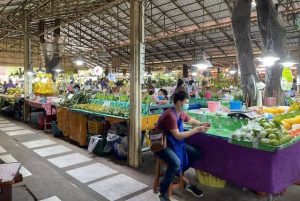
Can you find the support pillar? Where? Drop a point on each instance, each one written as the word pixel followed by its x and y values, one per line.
pixel 27 64
pixel 137 63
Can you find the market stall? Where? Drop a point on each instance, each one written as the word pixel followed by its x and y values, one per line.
pixel 256 154
pixel 11 103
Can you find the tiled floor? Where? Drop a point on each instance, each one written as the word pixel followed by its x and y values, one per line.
pixel 49 151
pixel 19 132
pixel 54 198
pixel 117 187
pixel 80 176
pixel 2 150
pixel 7 125
pixel 10 159
pixel 4 121
pixel 147 196
pixel 91 172
pixel 68 160
pixel 38 143
pixel 11 128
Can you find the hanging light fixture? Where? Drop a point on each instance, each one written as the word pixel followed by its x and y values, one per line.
pixel 79 61
pixel 253 4
pixel 57 69
pixel 30 72
pixel 268 57
pixel 233 70
pixel 287 61
pixel 202 63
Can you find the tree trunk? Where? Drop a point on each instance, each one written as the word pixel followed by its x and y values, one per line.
pixel 274 37
pixel 241 29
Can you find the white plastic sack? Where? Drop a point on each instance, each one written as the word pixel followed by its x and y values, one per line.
pixel 93 142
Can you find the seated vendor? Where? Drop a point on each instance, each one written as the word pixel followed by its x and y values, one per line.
pixel 178 155
pixel 162 97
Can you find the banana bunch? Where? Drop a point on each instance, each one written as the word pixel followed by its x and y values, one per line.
pixel 15 91
pixel 294 106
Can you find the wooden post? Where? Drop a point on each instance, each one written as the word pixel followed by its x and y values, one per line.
pixel 27 65
pixel 136 68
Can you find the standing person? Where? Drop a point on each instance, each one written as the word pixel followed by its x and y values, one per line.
pixel 178 155
pixel 179 87
pixel 9 85
pixel 70 88
pixel 152 88
pixel 190 87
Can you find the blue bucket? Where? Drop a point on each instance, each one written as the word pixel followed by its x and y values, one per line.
pixel 235 105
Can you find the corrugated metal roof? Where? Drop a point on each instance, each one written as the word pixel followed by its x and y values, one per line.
pixel 174 29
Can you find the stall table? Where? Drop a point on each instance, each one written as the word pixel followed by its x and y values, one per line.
pixel 9 174
pixel 270 172
pixel 48 108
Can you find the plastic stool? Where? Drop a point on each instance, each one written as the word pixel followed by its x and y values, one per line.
pixel 173 186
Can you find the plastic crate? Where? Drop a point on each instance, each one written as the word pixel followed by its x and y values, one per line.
pixel 235 105
pixel 209 180
pixel 96 128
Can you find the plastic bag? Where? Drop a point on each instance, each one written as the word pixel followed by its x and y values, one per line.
pixel 93 142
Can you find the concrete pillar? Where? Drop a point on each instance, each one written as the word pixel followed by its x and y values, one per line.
pixel 137 57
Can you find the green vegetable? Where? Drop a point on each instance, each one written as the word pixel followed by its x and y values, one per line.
pixel 272 136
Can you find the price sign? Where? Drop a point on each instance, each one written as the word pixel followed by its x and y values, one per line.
pixel 286 81
pixel 98 70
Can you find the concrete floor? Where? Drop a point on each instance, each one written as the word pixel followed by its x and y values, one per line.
pixel 48 180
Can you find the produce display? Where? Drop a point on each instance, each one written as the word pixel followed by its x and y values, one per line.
pixel 112 97
pixel 15 91
pixel 294 106
pixel 44 85
pixel 79 98
pixel 289 119
pixel 295 132
pixel 274 110
pixel 110 110
pixel 147 99
pixel 263 131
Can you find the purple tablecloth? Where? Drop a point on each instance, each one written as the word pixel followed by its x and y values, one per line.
pixel 258 170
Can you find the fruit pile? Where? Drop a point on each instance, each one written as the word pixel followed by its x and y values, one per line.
pixel 79 98
pixel 295 132
pixel 15 91
pixel 263 131
pixel 288 123
pixel 294 106
pixel 274 110
pixel 105 96
pixel 288 119
pixel 110 110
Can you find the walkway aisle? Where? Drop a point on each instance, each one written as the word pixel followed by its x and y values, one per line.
pixel 55 170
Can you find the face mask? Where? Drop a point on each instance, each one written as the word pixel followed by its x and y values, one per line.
pixel 185 107
pixel 160 97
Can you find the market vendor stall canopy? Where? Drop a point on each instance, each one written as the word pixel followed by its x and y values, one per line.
pixel 173 29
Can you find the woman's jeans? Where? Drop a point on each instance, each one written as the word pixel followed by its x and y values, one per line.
pixel 169 157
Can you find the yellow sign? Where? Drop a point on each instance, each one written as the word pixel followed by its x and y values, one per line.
pixel 286 79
